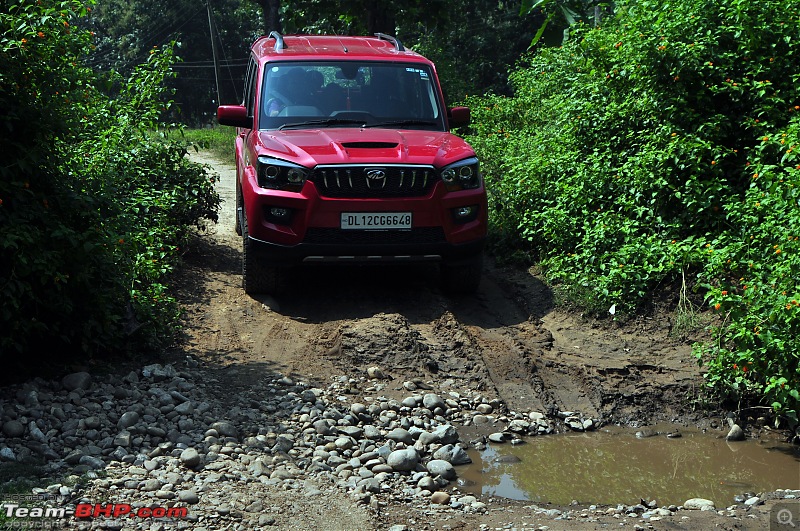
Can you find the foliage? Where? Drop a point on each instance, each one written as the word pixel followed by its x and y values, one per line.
pixel 218 140
pixel 94 203
pixel 626 158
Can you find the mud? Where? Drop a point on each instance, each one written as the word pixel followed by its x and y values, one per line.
pixel 509 341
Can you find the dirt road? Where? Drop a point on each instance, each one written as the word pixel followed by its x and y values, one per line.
pixel 508 342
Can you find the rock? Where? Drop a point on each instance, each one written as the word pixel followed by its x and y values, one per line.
pixel 184 408
pixel 91 462
pixel 440 498
pixel 226 429
pixel 454 455
pixel 400 435
pixel 13 428
pixel 188 496
pixel 123 439
pixel 91 422
pixel 484 409
pixel 76 381
pixel 574 423
pixel 519 426
pixel 150 485
pixel 446 434
pixel 698 504
pixel 190 458
pixel 35 433
pixel 158 372
pixel 497 437
pixel 507 459
pixel 128 420
pixel 755 500
pixel 735 434
pixel 7 454
pixel 645 433
pixel 403 460
pixel 432 401
pixel 440 467
pixel 376 373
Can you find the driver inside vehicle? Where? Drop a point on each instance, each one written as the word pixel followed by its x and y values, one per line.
pixel 280 86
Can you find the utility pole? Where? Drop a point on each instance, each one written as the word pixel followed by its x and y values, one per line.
pixel 214 50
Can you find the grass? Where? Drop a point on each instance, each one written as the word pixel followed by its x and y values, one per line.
pixel 217 140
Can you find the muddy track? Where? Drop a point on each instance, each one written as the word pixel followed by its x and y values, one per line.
pixel 507 342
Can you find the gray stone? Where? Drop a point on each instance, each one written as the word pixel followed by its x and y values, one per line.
pixel 76 381
pixel 497 437
pixel 410 402
pixel 92 422
pixel 188 496
pixel 123 439
pixel 91 462
pixel 698 504
pixel 452 454
pixel 185 408
pixel 403 460
pixel 7 454
pixel 127 420
pixel 426 438
pixel 432 401
pixel 150 485
pixel 225 428
pixel 447 434
pixel 191 458
pixel 13 428
pixel 440 467
pixel 574 423
pixel 400 435
pixel 519 426
pixel 158 372
pixel 735 434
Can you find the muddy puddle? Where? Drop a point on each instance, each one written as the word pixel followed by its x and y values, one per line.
pixel 613 466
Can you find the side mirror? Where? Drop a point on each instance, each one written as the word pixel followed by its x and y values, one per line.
pixel 458 116
pixel 235 115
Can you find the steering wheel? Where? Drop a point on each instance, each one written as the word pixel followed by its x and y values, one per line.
pixel 276 104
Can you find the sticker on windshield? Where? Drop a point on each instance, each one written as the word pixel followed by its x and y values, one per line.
pixel 422 73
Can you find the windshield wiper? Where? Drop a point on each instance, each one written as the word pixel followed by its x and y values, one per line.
pixel 326 121
pixel 403 122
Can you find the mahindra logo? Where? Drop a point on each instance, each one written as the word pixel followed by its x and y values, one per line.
pixel 375 176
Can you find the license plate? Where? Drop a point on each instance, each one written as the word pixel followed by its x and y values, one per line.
pixel 376 220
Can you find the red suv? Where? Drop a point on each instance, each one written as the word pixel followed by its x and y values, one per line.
pixel 343 154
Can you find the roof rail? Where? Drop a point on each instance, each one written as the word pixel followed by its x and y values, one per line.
pixel 279 44
pixel 397 44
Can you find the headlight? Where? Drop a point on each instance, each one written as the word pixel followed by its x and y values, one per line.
pixel 463 175
pixel 277 174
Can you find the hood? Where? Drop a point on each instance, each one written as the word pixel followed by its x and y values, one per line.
pixel 337 145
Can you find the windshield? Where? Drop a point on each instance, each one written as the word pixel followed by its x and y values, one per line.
pixel 350 94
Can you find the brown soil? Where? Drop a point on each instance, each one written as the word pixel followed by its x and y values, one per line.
pixel 509 341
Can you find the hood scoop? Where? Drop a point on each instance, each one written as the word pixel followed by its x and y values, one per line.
pixel 369 145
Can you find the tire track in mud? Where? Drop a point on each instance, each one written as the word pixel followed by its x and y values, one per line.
pixel 507 341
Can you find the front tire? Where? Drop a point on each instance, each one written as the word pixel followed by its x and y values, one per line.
pixel 462 277
pixel 239 213
pixel 257 277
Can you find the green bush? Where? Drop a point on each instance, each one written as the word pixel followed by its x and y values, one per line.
pixel 94 203
pixel 625 160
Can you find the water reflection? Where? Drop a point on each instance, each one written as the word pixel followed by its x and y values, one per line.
pixel 613 466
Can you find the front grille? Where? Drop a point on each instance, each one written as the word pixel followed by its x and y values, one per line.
pixel 374 181
pixel 332 236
